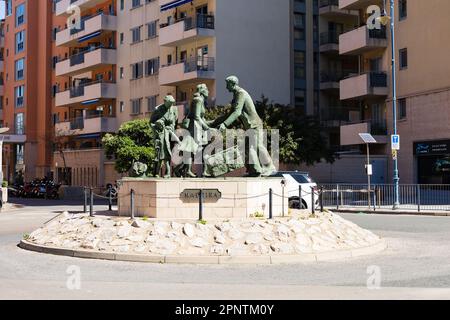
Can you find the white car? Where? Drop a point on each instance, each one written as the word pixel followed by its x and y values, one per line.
pixel 293 181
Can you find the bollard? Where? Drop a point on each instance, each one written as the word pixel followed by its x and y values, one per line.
pixel 132 203
pixel 337 197
pixel 91 206
pixel 321 199
pixel 418 198
pixel 85 200
pixel 313 203
pixel 110 198
pixel 375 199
pixel 270 203
pixel 200 205
pixel 300 196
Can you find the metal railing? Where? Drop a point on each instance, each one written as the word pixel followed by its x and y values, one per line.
pixel 326 3
pixel 378 79
pixel 78 91
pixel 416 197
pixel 330 37
pixel 199 64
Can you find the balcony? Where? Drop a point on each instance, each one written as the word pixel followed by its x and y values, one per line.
pixel 2 65
pixel 89 27
pixel 86 61
pixel 350 133
pixel 187 30
pixel 194 69
pixel 368 85
pixel 81 126
pixel 87 93
pixel 362 40
pixel 63 5
pixel 331 80
pixel 2 90
pixel 329 42
pixel 2 41
pixel 330 9
pixel 357 4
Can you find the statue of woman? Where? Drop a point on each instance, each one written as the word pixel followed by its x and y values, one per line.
pixel 163 123
pixel 197 125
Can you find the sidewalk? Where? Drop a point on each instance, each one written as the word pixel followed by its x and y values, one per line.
pixel 400 211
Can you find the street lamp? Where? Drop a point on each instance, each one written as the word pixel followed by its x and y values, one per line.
pixel 384 19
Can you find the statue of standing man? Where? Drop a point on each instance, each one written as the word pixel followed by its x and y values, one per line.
pixel 243 109
pixel 163 122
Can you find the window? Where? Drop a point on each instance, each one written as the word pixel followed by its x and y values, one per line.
pixel 300 99
pixel 403 59
pixel 136 106
pixel 121 73
pixel 9 7
pixel 19 96
pixel 20 14
pixel 152 29
pixel 136 34
pixel 137 70
pixel 121 38
pixel 135 3
pixel 152 103
pixel 401 109
pixel 122 5
pixel 152 67
pixel 20 66
pixel 19 123
pixel 20 41
pixel 122 106
pixel 403 9
pixel 299 65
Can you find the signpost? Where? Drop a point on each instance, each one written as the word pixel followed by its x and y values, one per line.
pixel 368 139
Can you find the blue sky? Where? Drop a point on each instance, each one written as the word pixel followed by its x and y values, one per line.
pixel 2 9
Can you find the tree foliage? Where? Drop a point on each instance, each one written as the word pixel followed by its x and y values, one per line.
pixel 301 138
pixel 133 143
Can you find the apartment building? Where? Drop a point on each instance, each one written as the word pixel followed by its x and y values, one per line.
pixel 122 57
pixel 423 88
pixel 2 68
pixel 27 83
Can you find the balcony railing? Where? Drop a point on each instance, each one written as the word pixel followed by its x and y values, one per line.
pixel 330 37
pixel 378 33
pixel 378 79
pixel 335 76
pixel 199 64
pixel 202 21
pixel 78 91
pixel 78 58
pixel 326 3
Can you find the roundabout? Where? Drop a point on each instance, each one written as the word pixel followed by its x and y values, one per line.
pixel 301 237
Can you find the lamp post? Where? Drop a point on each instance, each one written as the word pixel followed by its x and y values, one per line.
pixel 384 20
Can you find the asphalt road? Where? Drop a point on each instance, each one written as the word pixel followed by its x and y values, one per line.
pixel 415 266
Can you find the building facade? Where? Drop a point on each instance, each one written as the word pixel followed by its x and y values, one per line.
pixel 422 89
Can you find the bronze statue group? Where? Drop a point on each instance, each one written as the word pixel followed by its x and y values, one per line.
pixel 164 122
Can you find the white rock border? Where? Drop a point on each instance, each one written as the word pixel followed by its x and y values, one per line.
pixel 172 259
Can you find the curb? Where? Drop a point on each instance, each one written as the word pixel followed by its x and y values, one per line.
pixel 260 260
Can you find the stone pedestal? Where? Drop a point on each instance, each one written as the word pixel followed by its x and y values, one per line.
pixel 240 198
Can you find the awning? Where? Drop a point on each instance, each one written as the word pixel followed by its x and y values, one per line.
pixel 88 136
pixel 89 36
pixel 174 4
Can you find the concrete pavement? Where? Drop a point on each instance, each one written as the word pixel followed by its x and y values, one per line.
pixel 415 266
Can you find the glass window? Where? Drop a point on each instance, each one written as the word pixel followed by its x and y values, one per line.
pixel 20 67
pixel 20 14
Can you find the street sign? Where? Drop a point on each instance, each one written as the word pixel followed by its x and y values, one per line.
pixel 369 169
pixel 394 154
pixel 192 195
pixel 395 142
